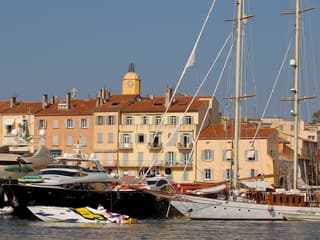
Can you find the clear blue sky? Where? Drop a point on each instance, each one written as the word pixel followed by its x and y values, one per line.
pixel 52 46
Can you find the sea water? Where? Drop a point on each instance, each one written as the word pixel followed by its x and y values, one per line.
pixel 171 229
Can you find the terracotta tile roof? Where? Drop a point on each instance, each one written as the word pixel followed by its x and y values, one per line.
pixel 217 131
pixel 24 108
pixel 79 107
pixel 116 103
pixel 157 104
pixel 4 105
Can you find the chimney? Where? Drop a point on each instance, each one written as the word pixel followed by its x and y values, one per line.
pixel 44 101
pixel 168 96
pixel 107 97
pixel 13 102
pixel 52 100
pixel 68 100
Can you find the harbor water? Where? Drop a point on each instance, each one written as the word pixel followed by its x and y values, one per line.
pixel 13 228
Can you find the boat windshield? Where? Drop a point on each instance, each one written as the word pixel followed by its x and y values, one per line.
pixel 60 172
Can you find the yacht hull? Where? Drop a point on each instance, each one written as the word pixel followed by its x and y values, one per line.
pixel 198 208
pixel 135 203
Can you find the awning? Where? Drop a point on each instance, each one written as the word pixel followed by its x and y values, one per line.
pixel 215 189
pixel 55 152
pixel 9 121
pixel 257 185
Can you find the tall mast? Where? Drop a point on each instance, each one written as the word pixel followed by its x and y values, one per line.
pixel 237 93
pixel 296 64
pixel 296 93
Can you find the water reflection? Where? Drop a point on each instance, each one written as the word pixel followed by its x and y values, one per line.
pixel 13 228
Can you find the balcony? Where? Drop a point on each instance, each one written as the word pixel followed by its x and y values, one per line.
pixel 177 165
pixel 184 147
pixel 154 148
pixel 125 147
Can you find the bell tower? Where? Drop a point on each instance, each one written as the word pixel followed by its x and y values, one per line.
pixel 131 82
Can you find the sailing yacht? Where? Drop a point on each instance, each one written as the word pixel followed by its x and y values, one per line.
pixel 264 205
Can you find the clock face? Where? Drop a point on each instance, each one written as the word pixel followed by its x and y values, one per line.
pixel 130 83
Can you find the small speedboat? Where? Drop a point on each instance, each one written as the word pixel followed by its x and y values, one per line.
pixel 78 215
pixel 301 216
pixel 6 210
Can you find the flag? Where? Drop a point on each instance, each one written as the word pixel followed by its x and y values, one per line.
pixel 192 58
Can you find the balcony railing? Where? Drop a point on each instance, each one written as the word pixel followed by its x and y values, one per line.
pixel 182 147
pixel 154 147
pixel 125 147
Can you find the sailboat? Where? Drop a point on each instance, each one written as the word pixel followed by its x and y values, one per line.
pixel 278 205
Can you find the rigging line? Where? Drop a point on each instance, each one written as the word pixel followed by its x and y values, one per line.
pixel 208 108
pixel 187 65
pixel 175 131
pixel 191 56
pixel 272 91
pixel 208 74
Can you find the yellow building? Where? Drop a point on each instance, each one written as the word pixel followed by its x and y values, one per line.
pixel 148 138
pixel 107 117
pixel 18 121
pixel 131 82
pixel 215 153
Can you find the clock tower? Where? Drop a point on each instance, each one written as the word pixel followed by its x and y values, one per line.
pixel 131 82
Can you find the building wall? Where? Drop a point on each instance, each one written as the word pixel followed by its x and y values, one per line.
pixel 266 154
pixel 61 136
pixel 105 138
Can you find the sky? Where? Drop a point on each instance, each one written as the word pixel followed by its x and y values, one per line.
pixel 53 46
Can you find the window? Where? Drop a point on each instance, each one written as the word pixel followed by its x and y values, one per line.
pixel 69 141
pixel 144 120
pixel 227 154
pixel 111 120
pixel 140 159
pixel 55 140
pixel 186 140
pixel 188 120
pixel 227 174
pixel 311 138
pixel 99 137
pixel 173 120
pixel 100 120
pixel 251 155
pixel 171 158
pixel 207 155
pixel 141 138
pixel 207 174
pixel 252 172
pixel 126 140
pixel 9 129
pixel 110 158
pixel 125 159
pixel 292 127
pixel 185 175
pixel 69 123
pixel 157 120
pixel 186 159
pixel 84 123
pixel 110 137
pixel 83 140
pixel 42 124
pixel 55 123
pixel 128 120
pixel 155 140
pixel 155 158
